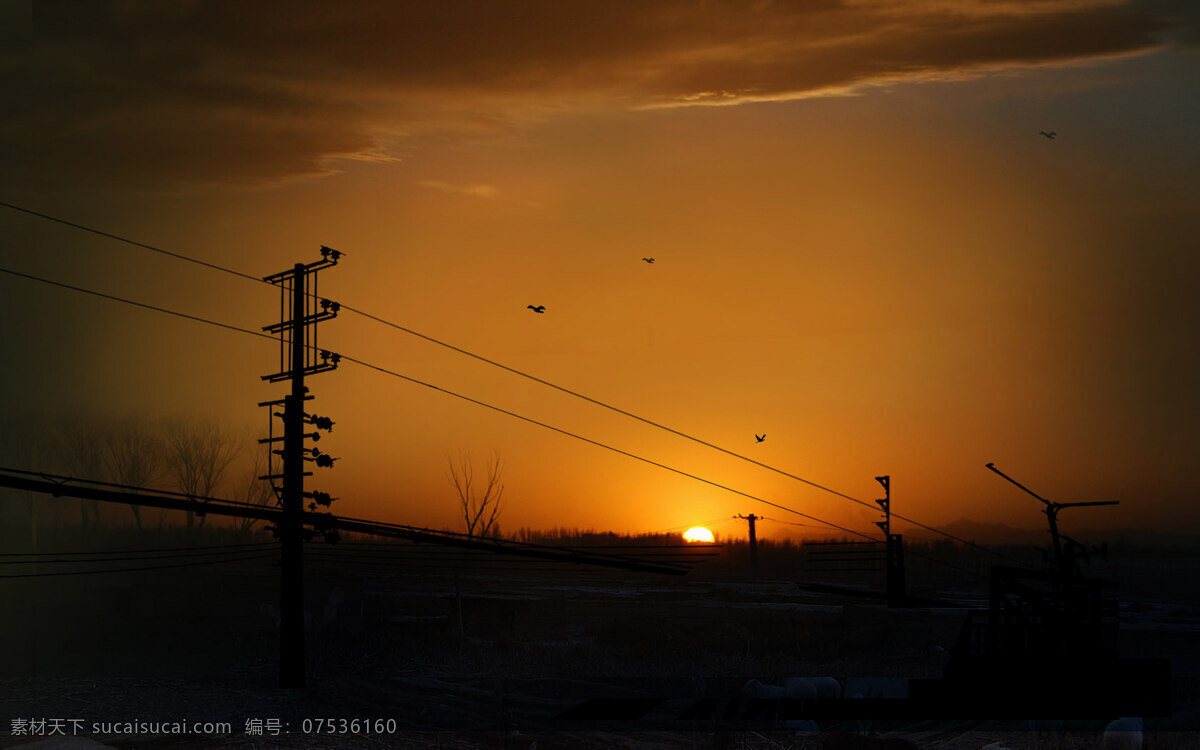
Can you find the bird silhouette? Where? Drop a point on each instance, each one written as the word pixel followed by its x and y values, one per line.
pixel 759 438
pixel 648 260
pixel 1049 135
pixel 538 309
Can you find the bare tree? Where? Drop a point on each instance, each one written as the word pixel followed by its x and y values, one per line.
pixel 196 455
pixel 81 445
pixel 133 455
pixel 24 445
pixel 254 491
pixel 480 502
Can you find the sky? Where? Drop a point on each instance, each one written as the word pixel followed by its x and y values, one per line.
pixel 864 248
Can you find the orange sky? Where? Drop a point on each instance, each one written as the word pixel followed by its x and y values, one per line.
pixel 867 252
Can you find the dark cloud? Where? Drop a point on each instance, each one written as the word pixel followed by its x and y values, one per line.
pixel 238 93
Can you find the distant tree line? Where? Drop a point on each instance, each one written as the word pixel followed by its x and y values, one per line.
pixel 196 457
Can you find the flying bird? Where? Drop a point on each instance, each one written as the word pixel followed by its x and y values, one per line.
pixel 1049 135
pixel 538 309
pixel 759 438
pixel 648 260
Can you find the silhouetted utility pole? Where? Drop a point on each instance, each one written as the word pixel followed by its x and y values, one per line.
pixel 894 560
pixel 753 541
pixel 298 357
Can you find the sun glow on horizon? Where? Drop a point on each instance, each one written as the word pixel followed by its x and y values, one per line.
pixel 698 534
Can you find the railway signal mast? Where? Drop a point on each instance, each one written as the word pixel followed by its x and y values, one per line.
pixel 894 544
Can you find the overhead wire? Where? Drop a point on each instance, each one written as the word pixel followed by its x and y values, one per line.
pixel 789 523
pixel 137 304
pixel 652 423
pixel 198 550
pixel 597 402
pixel 456 395
pixel 686 526
pixel 123 558
pixel 447 392
pixel 663 556
pixel 127 241
pixel 62 480
pixel 500 545
pixel 599 444
pixel 631 546
pixel 943 563
pixel 249 558
pixel 465 352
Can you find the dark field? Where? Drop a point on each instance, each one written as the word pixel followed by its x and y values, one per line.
pixel 465 650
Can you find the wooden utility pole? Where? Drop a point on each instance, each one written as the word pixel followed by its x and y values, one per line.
pixel 753 542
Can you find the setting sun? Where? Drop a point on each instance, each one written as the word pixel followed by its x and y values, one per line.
pixel 698 534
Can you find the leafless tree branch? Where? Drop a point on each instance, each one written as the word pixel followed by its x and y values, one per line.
pixel 197 454
pixel 480 507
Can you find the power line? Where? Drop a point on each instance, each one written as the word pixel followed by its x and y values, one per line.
pixel 957 538
pixel 429 568
pixel 460 350
pixel 76 558
pixel 420 535
pixel 684 546
pixel 443 390
pixel 687 526
pixel 61 480
pixel 349 308
pixel 411 332
pixel 128 241
pixel 186 551
pixel 481 556
pixel 261 556
pixel 671 430
pixel 137 304
pixel 597 402
pixel 598 444
pixel 413 547
pixel 789 523
pixel 539 380
pixel 945 564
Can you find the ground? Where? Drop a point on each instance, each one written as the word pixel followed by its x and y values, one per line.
pixel 475 655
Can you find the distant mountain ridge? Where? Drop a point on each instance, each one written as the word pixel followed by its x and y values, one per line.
pixel 982 532
pixel 993 533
